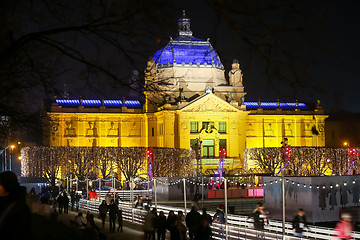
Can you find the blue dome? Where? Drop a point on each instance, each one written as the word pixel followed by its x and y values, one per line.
pixel 187 51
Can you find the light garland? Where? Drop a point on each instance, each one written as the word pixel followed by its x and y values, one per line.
pixel 305 161
pixel 323 186
pixel 90 163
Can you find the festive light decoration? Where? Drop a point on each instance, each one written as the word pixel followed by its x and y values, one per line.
pixel 93 162
pixel 305 161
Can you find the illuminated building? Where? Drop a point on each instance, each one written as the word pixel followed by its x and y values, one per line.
pixel 187 98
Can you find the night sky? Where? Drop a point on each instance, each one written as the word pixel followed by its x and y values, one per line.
pixel 325 57
pixel 335 71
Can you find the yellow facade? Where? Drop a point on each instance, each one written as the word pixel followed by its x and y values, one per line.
pixel 188 100
pixel 208 118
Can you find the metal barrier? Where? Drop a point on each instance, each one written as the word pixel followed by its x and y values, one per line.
pixel 237 228
pixel 125 195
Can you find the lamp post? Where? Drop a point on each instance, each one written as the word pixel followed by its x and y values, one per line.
pixel 5 160
pixel 11 147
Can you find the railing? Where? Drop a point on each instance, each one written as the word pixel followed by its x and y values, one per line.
pixel 125 195
pixel 237 228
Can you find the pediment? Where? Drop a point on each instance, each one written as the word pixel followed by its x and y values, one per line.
pixel 209 103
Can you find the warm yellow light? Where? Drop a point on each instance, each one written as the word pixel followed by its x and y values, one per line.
pixel 12 146
pixel 345 144
pixel 20 157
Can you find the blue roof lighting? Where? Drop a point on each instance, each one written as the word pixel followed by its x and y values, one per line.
pixel 187 50
pixel 274 105
pixel 91 103
pixel 68 102
pixel 113 103
pixel 97 103
pixel 132 103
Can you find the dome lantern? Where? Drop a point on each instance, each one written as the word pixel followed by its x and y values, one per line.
pixel 184 26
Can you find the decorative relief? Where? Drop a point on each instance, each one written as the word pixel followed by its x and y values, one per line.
pixel 184 125
pixel 91 131
pixel 210 104
pixel 113 130
pixel 69 130
pixel 288 129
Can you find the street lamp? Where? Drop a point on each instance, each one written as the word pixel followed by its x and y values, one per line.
pixel 12 148
pixel 5 160
pixel 346 144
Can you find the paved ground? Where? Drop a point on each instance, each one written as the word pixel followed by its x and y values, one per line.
pixel 130 231
pixel 46 228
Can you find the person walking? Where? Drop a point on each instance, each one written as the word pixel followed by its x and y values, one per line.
pixel 15 215
pixel 204 230
pixel 103 209
pixel 219 218
pixel 207 216
pixel 120 220
pixel 72 199
pixel 78 197
pixel 66 203
pixel 113 210
pixel 180 225
pixel 192 221
pixel 161 223
pixel 149 224
pixel 259 216
pixel 171 225
pixel 60 202
pixel 344 227
pixel 299 223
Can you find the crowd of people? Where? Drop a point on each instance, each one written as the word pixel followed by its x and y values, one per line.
pixel 197 225
pixel 15 214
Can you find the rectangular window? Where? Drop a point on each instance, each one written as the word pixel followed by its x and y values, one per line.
pixel 222 127
pixel 192 143
pixel 194 127
pixel 208 148
pixel 152 132
pixel 222 145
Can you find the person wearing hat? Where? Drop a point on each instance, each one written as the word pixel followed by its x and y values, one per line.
pixel 219 218
pixel 14 213
pixel 344 227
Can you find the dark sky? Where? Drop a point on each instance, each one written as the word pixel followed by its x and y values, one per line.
pixel 332 78
pixel 337 66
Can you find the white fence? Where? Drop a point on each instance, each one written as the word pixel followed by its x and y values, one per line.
pixel 237 228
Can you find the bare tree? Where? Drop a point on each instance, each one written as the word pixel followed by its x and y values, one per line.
pixel 131 161
pixel 306 161
pixel 266 159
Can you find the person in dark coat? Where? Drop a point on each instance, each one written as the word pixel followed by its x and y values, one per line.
pixel 120 220
pixel 207 216
pixel 161 224
pixel 219 216
pixel 60 202
pixel 103 208
pixel 113 210
pixel 72 199
pixel 192 222
pixel 66 203
pixel 259 216
pixel 204 230
pixel 15 216
pixel 171 225
pixel 299 223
